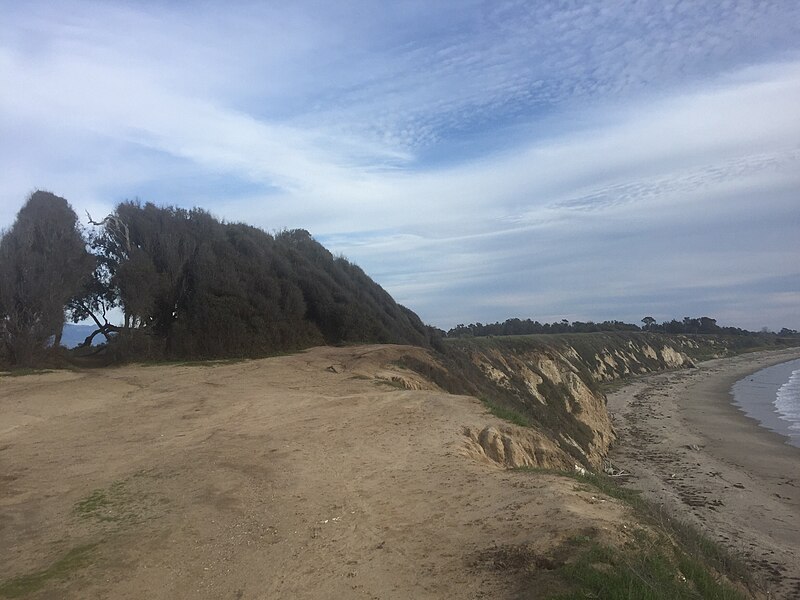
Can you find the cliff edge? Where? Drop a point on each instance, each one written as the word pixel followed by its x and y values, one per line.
pixel 551 387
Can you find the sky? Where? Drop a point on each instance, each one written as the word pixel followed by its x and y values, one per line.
pixel 480 160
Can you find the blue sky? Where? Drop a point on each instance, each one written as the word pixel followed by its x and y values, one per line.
pixel 480 160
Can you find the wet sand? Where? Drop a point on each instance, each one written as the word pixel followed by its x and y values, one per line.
pixel 690 449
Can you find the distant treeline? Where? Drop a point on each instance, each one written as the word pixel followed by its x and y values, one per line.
pixel 691 325
pixel 188 285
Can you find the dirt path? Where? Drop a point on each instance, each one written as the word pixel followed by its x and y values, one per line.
pixel 291 477
pixel 695 453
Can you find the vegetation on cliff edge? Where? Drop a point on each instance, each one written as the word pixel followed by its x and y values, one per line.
pixel 189 286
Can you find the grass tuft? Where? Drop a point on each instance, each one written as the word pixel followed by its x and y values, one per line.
pixel 121 504
pixel 645 571
pixel 674 561
pixel 25 372
pixel 65 566
pixel 107 505
pixel 507 414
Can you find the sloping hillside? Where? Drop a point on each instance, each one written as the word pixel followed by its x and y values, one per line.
pixel 332 473
pixel 314 475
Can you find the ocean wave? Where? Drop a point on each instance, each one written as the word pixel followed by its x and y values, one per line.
pixel 787 401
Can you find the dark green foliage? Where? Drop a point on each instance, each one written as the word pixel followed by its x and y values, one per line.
pixel 43 263
pixel 529 327
pixel 190 287
pixel 689 325
pixel 193 287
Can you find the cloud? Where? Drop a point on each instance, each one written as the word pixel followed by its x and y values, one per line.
pixel 481 160
pixel 658 216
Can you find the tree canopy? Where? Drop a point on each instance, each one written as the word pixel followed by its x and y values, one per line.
pixel 692 325
pixel 43 263
pixel 192 286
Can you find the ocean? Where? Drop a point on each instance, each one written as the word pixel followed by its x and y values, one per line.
pixel 771 396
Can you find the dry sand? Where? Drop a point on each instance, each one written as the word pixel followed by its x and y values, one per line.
pixel 690 449
pixel 291 477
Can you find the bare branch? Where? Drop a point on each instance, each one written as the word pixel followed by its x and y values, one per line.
pixel 117 227
pixel 93 222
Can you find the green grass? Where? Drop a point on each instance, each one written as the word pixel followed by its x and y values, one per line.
pixel 106 505
pixel 121 504
pixel 647 570
pixel 674 561
pixel 689 538
pixel 72 561
pixel 24 372
pixel 507 414
pixel 101 506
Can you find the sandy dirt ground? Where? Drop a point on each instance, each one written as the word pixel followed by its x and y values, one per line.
pixel 291 477
pixel 690 449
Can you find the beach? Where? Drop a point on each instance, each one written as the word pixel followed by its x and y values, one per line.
pixel 687 447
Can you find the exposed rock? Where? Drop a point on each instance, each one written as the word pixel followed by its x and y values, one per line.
pixel 494 373
pixel 514 447
pixel 547 367
pixel 553 384
pixel 407 380
pixel 675 359
pixel 533 381
pixel 648 351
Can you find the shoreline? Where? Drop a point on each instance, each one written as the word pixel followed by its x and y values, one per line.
pixel 756 398
pixel 689 448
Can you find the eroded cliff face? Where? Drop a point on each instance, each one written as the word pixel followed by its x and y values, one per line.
pixel 552 383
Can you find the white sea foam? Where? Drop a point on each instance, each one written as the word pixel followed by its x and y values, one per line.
pixel 771 396
pixel 787 401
